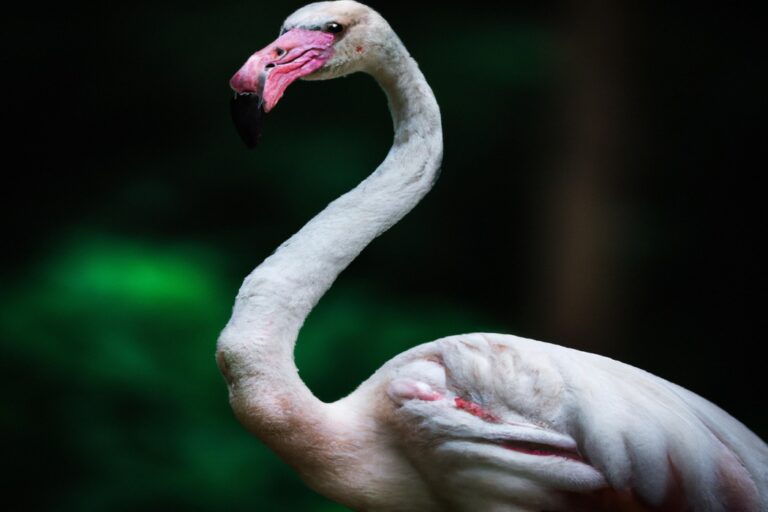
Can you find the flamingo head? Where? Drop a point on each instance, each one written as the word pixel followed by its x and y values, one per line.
pixel 319 41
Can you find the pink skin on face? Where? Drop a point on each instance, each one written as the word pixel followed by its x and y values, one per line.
pixel 271 70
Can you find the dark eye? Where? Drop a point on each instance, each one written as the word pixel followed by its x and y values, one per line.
pixel 333 27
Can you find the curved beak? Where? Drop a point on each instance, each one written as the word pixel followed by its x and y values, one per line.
pixel 261 81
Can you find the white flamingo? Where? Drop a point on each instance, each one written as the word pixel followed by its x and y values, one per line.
pixel 476 422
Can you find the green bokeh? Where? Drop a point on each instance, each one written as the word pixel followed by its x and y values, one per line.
pixel 113 343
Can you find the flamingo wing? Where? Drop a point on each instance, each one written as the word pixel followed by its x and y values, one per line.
pixel 510 420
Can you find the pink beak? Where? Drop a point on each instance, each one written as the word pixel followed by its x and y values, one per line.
pixel 268 72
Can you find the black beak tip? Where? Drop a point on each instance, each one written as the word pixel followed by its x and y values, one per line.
pixel 248 115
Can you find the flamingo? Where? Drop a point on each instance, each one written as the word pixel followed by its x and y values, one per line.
pixel 475 422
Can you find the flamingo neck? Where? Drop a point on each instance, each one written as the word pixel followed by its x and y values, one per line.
pixel 256 347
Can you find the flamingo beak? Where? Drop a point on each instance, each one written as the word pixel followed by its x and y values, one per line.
pixel 265 76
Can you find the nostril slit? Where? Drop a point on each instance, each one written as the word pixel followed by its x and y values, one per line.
pixel 270 65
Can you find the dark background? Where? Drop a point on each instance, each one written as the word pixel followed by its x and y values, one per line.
pixel 598 191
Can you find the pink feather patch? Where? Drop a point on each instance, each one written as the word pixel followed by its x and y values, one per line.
pixel 476 410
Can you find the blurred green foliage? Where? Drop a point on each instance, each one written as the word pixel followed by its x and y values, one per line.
pixel 113 343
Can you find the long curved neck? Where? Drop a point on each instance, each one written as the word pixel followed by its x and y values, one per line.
pixel 255 350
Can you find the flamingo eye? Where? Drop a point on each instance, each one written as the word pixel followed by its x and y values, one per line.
pixel 333 27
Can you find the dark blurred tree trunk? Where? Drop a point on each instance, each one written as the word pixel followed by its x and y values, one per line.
pixel 580 303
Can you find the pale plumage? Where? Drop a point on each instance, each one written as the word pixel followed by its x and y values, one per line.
pixel 474 422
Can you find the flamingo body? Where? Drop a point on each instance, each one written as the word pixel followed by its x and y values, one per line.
pixel 472 422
